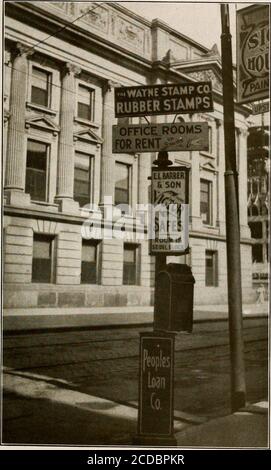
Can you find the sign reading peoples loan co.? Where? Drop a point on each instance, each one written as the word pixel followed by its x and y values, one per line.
pixel 163 99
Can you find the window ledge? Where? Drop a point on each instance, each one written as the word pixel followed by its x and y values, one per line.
pixel 86 122
pixel 44 205
pixel 44 109
pixel 207 154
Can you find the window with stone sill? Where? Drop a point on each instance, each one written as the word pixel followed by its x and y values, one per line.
pixel 82 179
pixel 89 262
pixel 41 84
pixel 122 183
pixel 37 170
pixel 85 103
pixel 206 201
pixel 131 264
pixel 211 268
pixel 43 261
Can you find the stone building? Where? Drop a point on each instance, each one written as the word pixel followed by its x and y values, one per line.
pixel 60 74
pixel 259 198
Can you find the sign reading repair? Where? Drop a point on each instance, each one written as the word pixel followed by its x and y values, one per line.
pixel 156 384
pixel 163 99
pixel 185 136
pixel 252 53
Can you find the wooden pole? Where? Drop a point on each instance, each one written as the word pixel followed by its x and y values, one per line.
pixel 238 384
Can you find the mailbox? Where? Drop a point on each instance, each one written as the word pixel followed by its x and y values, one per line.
pixel 173 308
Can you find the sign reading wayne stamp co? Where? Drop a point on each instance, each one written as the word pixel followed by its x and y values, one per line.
pixel 163 99
pixel 156 137
pixel 252 53
pixel 170 210
pixel 156 385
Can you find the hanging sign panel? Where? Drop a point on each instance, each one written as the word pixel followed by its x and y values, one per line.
pixel 252 53
pixel 260 108
pixel 170 210
pixel 163 99
pixel 185 136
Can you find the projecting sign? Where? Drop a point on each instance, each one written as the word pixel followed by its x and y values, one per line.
pixel 156 384
pixel 156 137
pixel 252 53
pixel 163 99
pixel 170 210
pixel 260 108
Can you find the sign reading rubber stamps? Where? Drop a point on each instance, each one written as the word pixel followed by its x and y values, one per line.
pixel 170 210
pixel 156 384
pixel 163 99
pixel 185 136
pixel 252 53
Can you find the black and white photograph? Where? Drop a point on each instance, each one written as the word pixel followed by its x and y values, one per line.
pixel 135 203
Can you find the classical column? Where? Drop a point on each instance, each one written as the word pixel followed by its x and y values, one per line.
pixel 107 160
pixel 218 123
pixel 65 169
pixel 221 181
pixel 15 164
pixel 243 182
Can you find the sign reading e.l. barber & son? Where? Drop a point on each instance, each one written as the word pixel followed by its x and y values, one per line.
pixel 171 98
pixel 156 384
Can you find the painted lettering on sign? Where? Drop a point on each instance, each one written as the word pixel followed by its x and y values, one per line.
pixel 156 384
pixel 252 53
pixel 170 210
pixel 163 99
pixel 142 138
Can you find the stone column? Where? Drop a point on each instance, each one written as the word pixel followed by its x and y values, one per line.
pixel 218 123
pixel 243 181
pixel 221 177
pixel 16 158
pixel 65 169
pixel 107 160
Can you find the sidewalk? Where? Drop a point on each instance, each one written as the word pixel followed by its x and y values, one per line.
pixel 247 428
pixel 46 318
pixel 42 411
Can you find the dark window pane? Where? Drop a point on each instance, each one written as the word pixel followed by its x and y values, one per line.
pixel 211 268
pixel 42 259
pixel 85 98
pixel 84 111
pixel 82 179
pixel 129 265
pixel 257 253
pixel 121 184
pixel 40 87
pixel 256 229
pixel 89 263
pixel 205 208
pixel 39 96
pixel 88 273
pixel 36 162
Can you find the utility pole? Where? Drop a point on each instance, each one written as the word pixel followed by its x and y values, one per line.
pixel 162 163
pixel 238 384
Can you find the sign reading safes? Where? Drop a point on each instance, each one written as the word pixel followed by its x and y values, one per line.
pixel 252 53
pixel 156 384
pixel 163 99
pixel 170 210
pixel 156 137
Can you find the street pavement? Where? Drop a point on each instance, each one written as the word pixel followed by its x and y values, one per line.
pixel 92 401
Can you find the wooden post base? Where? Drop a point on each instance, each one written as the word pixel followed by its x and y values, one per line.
pixel 154 441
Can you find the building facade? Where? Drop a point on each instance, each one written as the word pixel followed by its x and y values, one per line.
pixel 259 198
pixel 58 117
